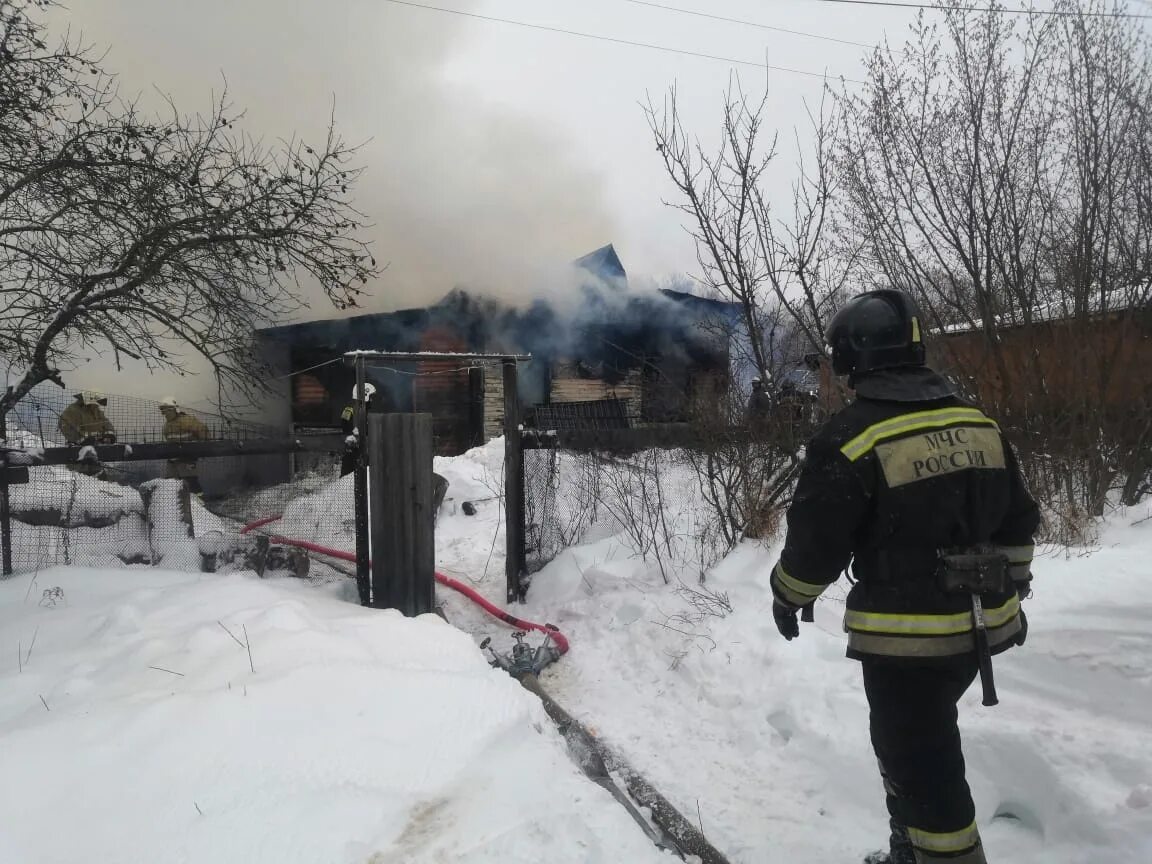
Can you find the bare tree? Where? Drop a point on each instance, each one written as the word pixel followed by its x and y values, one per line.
pixel 747 253
pixel 150 236
pixel 993 168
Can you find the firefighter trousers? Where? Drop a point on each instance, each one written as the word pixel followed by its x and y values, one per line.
pixel 917 741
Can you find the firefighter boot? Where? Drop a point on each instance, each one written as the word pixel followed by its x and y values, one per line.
pixel 900 849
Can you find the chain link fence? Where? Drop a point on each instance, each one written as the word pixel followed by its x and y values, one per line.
pixel 36 420
pixel 183 513
pixel 677 495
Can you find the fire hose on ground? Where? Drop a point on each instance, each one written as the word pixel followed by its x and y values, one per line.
pixel 495 611
pixel 668 829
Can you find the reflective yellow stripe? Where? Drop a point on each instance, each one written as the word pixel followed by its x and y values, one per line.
pixel 795 591
pixel 927 625
pixel 927 646
pixel 870 437
pixel 915 329
pixel 812 589
pixel 950 841
pixel 1017 554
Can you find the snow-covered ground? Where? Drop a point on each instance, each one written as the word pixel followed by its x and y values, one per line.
pixel 363 737
pixel 134 729
pixel 766 741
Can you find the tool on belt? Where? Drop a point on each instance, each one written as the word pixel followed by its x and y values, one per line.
pixel 974 572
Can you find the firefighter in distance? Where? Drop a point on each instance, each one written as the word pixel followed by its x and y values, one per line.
pixel 84 423
pixel 182 428
pixel 351 454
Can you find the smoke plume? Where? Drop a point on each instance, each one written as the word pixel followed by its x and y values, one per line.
pixel 460 191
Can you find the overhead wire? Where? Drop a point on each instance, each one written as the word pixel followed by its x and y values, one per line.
pixel 309 369
pixel 695 13
pixel 427 374
pixel 617 40
pixel 947 7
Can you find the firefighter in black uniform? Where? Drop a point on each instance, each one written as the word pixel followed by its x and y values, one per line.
pixel 351 454
pixel 911 485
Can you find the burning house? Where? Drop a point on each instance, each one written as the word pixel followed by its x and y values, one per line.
pixel 608 356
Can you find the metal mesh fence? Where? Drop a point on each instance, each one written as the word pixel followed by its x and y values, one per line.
pixel 131 513
pixel 649 501
pixel 678 495
pixel 36 420
pixel 176 513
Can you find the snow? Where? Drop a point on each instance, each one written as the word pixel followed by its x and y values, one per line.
pixel 404 746
pixel 360 737
pixel 37 546
pixel 426 355
pixel 23 457
pixel 327 516
pixel 81 499
pixel 769 739
pixel 175 547
pixel 62 515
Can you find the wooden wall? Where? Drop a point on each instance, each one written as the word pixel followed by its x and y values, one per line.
pixel 569 386
pixel 1077 361
pixel 1109 359
pixel 440 388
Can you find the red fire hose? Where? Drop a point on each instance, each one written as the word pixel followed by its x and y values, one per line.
pixel 492 609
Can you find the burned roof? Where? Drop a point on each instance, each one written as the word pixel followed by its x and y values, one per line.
pixel 610 326
pixel 604 262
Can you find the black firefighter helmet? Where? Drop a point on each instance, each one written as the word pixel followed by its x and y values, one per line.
pixel 876 330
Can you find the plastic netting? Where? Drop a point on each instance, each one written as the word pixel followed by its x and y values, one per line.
pixel 36 420
pixel 148 512
pixel 682 507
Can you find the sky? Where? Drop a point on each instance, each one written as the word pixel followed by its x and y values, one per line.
pixel 493 152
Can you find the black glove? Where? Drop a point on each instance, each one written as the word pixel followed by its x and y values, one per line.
pixel 786 621
pixel 1023 634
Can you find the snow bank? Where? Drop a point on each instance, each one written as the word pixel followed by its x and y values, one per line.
pixel 327 516
pixel 134 730
pixel 35 547
pixel 63 516
pixel 770 738
pixel 64 498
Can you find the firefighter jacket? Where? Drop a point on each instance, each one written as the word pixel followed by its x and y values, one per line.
pixel 181 427
pixel 889 483
pixel 348 416
pixel 80 422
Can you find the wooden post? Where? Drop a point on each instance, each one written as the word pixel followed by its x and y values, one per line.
pixel 5 521
pixel 5 506
pixel 476 406
pixel 515 570
pixel 401 512
pixel 360 492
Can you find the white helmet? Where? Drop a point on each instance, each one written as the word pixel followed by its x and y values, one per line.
pixel 369 391
pixel 92 397
pixel 168 402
